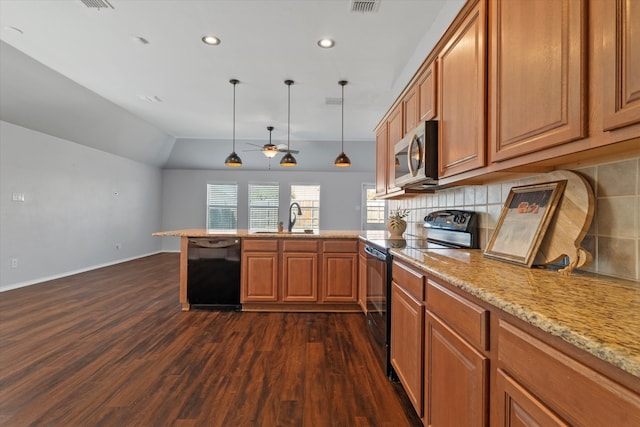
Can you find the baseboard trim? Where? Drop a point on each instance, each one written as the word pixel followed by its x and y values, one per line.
pixel 71 273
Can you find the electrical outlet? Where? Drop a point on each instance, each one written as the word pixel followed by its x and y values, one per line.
pixel 118 246
pixel 14 262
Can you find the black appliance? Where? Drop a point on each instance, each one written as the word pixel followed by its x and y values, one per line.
pixel 445 229
pixel 213 273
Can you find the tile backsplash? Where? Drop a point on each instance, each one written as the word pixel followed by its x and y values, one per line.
pixel 613 238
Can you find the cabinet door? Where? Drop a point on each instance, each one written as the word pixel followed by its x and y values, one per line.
pixel 300 277
pixel 340 277
pixel 621 61
pixel 362 282
pixel 407 343
pixel 395 133
pixel 537 75
pixel 411 110
pixel 462 96
pixel 519 407
pixel 381 160
pixel 457 375
pixel 259 278
pixel 428 93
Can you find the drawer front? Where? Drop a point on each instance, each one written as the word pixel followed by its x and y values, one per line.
pixel 411 280
pixel 270 245
pixel 291 245
pixel 574 391
pixel 468 319
pixel 350 246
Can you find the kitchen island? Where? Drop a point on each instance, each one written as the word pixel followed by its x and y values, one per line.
pixel 288 271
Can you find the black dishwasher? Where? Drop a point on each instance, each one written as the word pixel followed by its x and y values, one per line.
pixel 213 273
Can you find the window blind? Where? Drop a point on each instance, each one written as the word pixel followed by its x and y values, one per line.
pixel 222 206
pixel 308 197
pixel 263 206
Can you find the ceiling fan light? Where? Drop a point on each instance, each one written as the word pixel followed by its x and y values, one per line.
pixel 233 160
pixel 270 152
pixel 342 161
pixel 288 160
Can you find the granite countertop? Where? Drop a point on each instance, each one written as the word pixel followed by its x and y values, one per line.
pixel 204 232
pixel 596 313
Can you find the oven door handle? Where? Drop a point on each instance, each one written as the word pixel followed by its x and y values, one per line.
pixel 376 253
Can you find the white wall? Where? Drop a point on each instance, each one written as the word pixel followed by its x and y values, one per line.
pixel 71 219
pixel 184 196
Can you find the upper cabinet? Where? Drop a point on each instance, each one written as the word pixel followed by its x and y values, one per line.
pixel 537 75
pixel 427 92
pixel 524 87
pixel 462 96
pixel 621 60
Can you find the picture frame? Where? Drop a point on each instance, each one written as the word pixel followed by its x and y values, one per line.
pixel 524 219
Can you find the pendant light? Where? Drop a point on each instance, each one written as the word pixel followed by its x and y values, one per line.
pixel 342 161
pixel 288 159
pixel 233 159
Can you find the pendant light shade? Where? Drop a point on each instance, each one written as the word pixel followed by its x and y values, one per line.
pixel 233 159
pixel 342 161
pixel 288 159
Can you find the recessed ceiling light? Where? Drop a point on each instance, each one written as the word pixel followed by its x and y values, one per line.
pixel 211 40
pixel 140 40
pixel 14 30
pixel 326 43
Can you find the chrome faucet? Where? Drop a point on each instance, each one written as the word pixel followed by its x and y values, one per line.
pixel 292 215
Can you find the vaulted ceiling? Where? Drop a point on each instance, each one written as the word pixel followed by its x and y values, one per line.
pixel 146 59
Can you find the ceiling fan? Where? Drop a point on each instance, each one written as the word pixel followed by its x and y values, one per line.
pixel 270 150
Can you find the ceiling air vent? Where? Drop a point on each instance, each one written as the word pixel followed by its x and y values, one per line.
pixel 365 6
pixel 97 4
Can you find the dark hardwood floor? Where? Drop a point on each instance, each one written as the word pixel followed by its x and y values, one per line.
pixel 110 347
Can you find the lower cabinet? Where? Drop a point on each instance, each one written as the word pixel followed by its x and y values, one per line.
pixel 407 332
pixel 362 277
pixel 512 375
pixel 536 384
pixel 456 362
pixel 299 274
pixel 340 271
pixel 259 274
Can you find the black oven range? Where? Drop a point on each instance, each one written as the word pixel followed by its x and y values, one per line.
pixel 444 229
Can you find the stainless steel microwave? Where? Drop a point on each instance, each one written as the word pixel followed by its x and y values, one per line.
pixel 416 156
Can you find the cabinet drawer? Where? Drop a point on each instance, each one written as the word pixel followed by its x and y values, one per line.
pixel 412 281
pixel 574 391
pixel 260 245
pixel 340 246
pixel 290 245
pixel 468 319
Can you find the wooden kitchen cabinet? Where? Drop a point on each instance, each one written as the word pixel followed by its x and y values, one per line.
pixel 461 94
pixel 407 331
pixel 411 103
pixel 300 271
pixel 382 159
pixel 259 274
pixel 621 61
pixel 539 385
pixel 537 75
pixel 362 277
pixel 427 91
pixel 456 372
pixel 340 271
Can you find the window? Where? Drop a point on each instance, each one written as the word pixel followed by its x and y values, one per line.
pixel 373 210
pixel 308 197
pixel 263 207
pixel 222 206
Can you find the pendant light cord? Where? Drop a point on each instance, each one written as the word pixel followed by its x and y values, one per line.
pixel 342 104
pixel 234 115
pixel 288 115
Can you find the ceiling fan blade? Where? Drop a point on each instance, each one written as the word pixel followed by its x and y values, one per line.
pixel 255 145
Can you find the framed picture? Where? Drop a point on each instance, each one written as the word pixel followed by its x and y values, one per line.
pixel 523 221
